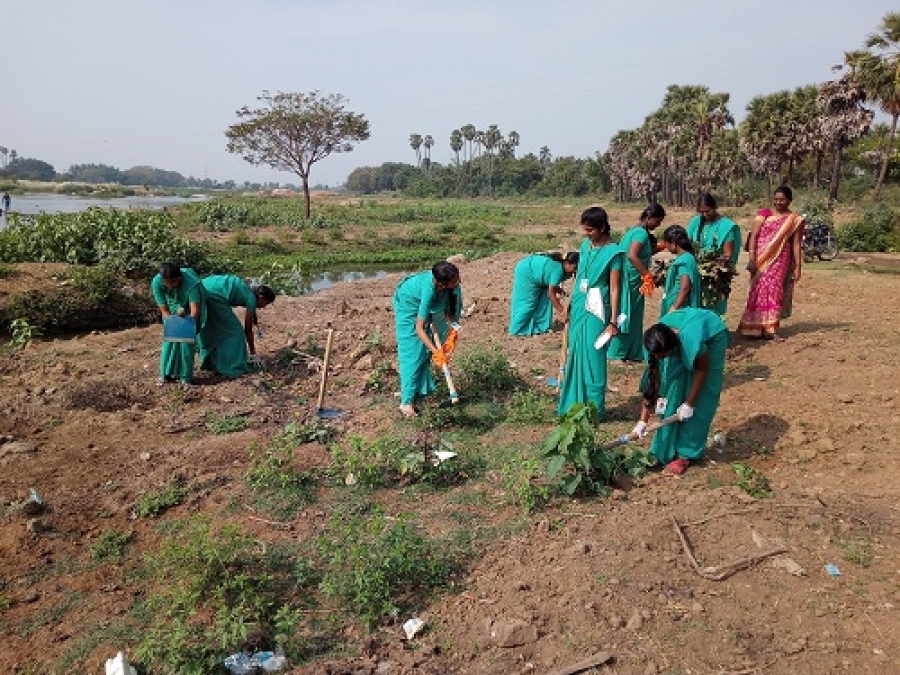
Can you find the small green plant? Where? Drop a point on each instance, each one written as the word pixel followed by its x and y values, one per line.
pixel 876 230
pixel 573 452
pixel 280 489
pixel 219 424
pixel 153 504
pixel 485 371
pixel 858 552
pixel 375 566
pixel 22 333
pixel 523 482
pixel 529 407
pixel 110 545
pixel 752 481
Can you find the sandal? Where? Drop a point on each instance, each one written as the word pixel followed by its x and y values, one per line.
pixel 677 466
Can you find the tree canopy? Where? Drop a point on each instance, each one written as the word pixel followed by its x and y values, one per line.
pixel 293 131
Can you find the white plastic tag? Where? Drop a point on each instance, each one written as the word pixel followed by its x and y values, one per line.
pixel 583 286
pixel 661 404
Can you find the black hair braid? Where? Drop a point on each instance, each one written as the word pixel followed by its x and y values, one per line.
pixel 651 389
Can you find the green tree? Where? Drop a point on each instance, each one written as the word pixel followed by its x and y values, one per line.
pixel 293 131
pixel 28 169
pixel 877 70
pixel 415 142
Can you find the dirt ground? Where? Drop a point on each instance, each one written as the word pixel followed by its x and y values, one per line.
pixel 817 412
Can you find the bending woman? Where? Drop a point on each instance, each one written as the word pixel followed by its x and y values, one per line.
pixel 597 299
pixel 535 292
pixel 686 366
pixel 683 275
pixel 639 245
pixel 223 342
pixel 178 291
pixel 422 303
pixel 775 261
pixel 716 235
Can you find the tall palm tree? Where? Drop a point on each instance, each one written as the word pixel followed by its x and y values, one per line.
pixel 415 142
pixel 513 139
pixel 468 132
pixel 492 138
pixel 545 157
pixel 5 153
pixel 456 144
pixel 427 143
pixel 877 70
pixel 844 119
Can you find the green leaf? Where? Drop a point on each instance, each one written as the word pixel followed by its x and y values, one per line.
pixel 556 463
pixel 570 483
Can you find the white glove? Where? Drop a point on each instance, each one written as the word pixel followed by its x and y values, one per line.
pixel 685 412
pixel 255 361
pixel 640 429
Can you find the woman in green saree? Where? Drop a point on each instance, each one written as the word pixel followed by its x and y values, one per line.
pixel 686 368
pixel 535 292
pixel 639 246
pixel 178 291
pixel 422 304
pixel 223 342
pixel 597 300
pixel 716 236
pixel 683 276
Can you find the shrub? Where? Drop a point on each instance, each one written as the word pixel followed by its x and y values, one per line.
pixel 154 503
pixel 110 545
pixel 875 231
pixel 375 567
pixel 485 371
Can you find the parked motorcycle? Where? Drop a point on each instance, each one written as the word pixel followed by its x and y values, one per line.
pixel 818 243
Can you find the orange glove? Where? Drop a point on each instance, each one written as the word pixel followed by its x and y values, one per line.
pixel 439 359
pixel 450 343
pixel 647 285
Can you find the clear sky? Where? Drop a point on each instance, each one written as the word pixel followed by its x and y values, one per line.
pixel 157 82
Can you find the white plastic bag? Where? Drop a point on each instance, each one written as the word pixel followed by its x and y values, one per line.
pixel 593 302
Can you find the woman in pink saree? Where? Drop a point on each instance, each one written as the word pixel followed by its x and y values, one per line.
pixel 774 266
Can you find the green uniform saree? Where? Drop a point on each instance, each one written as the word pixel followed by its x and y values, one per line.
pixel 531 311
pixel 584 377
pixel 628 344
pixel 700 331
pixel 712 237
pixel 222 343
pixel 177 359
pixel 683 265
pixel 417 297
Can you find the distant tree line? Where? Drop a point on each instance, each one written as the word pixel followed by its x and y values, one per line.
pixel 26 168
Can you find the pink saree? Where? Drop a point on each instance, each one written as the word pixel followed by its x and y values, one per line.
pixel 771 288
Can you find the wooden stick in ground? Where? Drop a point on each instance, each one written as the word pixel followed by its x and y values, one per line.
pixel 631 436
pixel 324 377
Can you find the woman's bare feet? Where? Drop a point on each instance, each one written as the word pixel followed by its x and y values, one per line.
pixel 408 411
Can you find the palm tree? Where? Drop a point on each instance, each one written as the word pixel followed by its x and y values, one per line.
pixel 415 142
pixel 427 143
pixel 878 73
pixel 513 140
pixel 5 153
pixel 492 138
pixel 456 144
pixel 468 132
pixel 545 157
pixel 843 121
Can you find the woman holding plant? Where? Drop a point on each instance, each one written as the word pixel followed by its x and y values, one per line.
pixel 598 299
pixel 639 246
pixel 719 239
pixel 775 266
pixel 683 276
pixel 535 292
pixel 178 292
pixel 685 369
pixel 423 304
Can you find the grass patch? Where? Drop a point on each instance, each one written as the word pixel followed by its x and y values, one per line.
pixel 110 546
pixel 155 503
pixel 226 424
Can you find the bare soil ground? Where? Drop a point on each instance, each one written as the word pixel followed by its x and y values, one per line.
pixel 817 413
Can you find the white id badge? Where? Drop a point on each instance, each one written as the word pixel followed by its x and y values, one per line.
pixel 661 404
pixel 583 286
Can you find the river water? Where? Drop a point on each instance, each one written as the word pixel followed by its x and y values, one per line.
pixel 31 204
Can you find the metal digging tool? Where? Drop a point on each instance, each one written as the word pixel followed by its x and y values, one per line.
pixel 326 413
pixel 627 438
pixel 556 382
